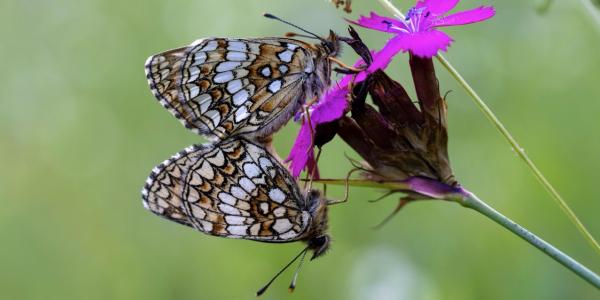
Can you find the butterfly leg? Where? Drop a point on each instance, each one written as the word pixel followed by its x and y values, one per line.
pixel 347 189
pixel 344 67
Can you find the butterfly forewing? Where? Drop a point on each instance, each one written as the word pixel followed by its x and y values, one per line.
pixel 234 189
pixel 221 87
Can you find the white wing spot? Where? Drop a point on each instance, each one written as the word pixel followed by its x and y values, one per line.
pixel 206 170
pixel 199 58
pixel 204 100
pixel 237 230
pixel 193 196
pixel 241 114
pixel 210 46
pixel 227 198
pixel 195 180
pixel 264 207
pixel 228 209
pixel 207 226
pixel 251 170
pixel 234 86
pixel 194 73
pixel 215 117
pixel 265 163
pixel 162 203
pixel 227 66
pixel 194 91
pixel 239 193
pixel 266 71
pixel 254 229
pixel 247 184
pixel 286 56
pixel 236 56
pixel 288 235
pixel 223 77
pixel 234 220
pixel 292 46
pixel 274 86
pixel 218 159
pixel 188 149
pixel 198 212
pixel 276 195
pixel 283 69
pixel 282 225
pixel 237 46
pixel 279 212
pixel 240 97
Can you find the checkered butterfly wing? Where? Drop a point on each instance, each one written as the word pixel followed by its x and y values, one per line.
pixel 233 189
pixel 221 87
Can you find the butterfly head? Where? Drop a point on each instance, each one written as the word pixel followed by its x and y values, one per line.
pixel 331 45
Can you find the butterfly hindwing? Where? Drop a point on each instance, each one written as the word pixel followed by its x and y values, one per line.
pixel 234 189
pixel 221 87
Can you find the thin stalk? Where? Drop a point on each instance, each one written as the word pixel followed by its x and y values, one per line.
pixel 593 11
pixel 390 185
pixel 511 140
pixel 471 201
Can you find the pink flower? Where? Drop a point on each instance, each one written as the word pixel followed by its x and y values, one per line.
pixel 328 109
pixel 418 32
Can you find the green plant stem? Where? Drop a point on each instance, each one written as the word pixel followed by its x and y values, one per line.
pixel 511 140
pixel 471 201
pixel 390 185
pixel 593 11
pixel 521 153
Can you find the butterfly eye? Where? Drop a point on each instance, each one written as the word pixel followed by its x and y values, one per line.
pixel 328 46
pixel 320 245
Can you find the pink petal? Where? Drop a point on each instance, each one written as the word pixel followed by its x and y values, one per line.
pixel 382 58
pixel 311 166
pixel 423 44
pixel 377 22
pixel 437 7
pixel 466 17
pixel 331 107
pixel 299 154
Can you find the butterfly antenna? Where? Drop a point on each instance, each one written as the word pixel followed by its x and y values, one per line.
pixel 293 283
pixel 293 34
pixel 264 288
pixel 270 16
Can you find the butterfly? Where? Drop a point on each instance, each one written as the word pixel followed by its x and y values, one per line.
pixel 237 189
pixel 224 87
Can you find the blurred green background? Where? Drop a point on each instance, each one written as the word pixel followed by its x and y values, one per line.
pixel 80 131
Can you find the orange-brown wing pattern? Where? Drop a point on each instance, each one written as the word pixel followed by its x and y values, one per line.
pixel 221 87
pixel 233 189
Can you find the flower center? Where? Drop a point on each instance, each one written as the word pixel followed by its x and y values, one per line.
pixel 415 19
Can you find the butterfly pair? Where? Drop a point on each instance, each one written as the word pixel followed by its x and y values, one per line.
pixel 238 92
